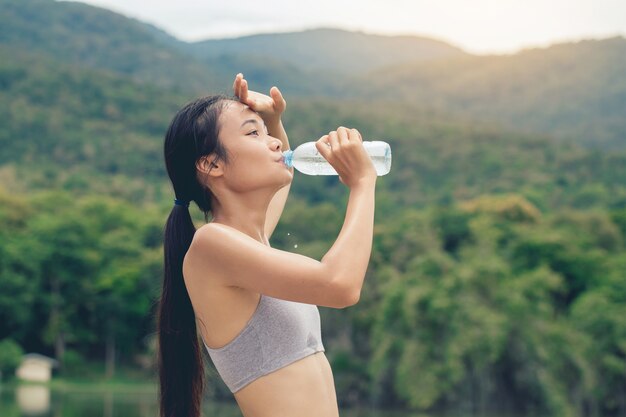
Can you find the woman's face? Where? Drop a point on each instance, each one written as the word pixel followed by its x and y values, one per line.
pixel 255 157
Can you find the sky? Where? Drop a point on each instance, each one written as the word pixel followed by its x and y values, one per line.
pixel 477 26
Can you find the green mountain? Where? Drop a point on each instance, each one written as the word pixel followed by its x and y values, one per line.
pixel 327 50
pixel 80 34
pixel 313 62
pixel 77 128
pixel 100 120
pixel 98 38
pixel 572 90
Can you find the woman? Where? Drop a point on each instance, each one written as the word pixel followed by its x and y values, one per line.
pixel 255 306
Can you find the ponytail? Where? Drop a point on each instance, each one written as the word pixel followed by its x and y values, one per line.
pixel 181 370
pixel 192 134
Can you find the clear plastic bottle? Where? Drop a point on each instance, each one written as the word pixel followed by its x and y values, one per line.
pixel 306 159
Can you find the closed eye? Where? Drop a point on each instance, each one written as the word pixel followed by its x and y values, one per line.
pixel 254 132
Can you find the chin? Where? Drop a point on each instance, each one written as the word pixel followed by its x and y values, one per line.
pixel 288 178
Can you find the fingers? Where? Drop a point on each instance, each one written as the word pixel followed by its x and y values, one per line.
pixel 279 102
pixel 322 146
pixel 345 136
pixel 333 139
pixel 343 149
pixel 237 84
pixel 240 89
pixel 356 134
pixel 342 134
pixel 243 91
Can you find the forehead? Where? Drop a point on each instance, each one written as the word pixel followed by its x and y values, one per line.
pixel 236 112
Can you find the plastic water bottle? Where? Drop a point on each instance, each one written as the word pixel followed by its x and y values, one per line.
pixel 306 159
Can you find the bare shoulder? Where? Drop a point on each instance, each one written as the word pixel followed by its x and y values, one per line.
pixel 200 260
pixel 205 279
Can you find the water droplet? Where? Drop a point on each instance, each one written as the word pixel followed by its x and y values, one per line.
pixel 288 233
pixel 295 246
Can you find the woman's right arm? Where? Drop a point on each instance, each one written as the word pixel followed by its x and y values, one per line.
pixel 335 281
pixel 349 256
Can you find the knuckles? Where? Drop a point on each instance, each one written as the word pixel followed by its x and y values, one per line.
pixel 352 135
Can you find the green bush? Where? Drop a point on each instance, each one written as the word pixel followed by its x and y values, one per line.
pixel 10 357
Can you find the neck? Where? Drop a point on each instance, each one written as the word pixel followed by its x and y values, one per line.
pixel 244 212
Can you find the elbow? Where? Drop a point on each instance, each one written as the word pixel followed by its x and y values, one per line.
pixel 344 292
pixel 348 295
pixel 353 297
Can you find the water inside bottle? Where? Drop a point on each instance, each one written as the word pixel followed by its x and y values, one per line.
pixel 314 164
pixel 309 161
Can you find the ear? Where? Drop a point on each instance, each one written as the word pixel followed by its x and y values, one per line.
pixel 208 166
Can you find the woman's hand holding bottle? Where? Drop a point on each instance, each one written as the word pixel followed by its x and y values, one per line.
pixel 344 150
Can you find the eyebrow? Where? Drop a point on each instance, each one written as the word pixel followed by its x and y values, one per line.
pixel 253 121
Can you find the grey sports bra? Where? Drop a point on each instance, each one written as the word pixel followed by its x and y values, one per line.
pixel 278 333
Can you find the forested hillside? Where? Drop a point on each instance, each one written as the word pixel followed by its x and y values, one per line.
pixel 327 50
pixel 78 34
pixel 496 280
pixel 65 125
pixel 574 91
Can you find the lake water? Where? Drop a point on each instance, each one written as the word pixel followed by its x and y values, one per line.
pixel 41 401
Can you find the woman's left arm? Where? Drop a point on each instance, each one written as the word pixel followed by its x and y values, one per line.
pixel 277 204
pixel 270 108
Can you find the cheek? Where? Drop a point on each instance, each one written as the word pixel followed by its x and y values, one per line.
pixel 246 172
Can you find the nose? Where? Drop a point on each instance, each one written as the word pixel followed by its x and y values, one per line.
pixel 276 144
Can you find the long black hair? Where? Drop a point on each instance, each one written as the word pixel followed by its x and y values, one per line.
pixel 192 135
